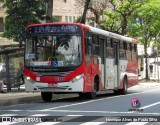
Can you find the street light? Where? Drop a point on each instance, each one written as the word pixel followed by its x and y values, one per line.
pixel 157 55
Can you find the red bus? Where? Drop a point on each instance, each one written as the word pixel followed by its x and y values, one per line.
pixel 75 58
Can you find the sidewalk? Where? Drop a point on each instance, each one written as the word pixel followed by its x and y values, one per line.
pixel 15 93
pixel 18 96
pixel 149 84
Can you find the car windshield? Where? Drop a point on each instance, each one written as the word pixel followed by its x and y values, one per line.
pixel 53 51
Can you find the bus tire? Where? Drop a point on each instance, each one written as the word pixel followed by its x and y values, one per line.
pixel 116 92
pixel 92 95
pixel 46 96
pixel 124 90
pixel 82 95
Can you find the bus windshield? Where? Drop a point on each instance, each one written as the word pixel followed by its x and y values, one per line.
pixel 61 50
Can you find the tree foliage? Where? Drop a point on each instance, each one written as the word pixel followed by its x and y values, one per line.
pixel 117 17
pixel 20 13
pixel 146 20
pixel 145 23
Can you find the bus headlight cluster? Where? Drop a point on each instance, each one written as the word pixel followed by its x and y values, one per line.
pixel 29 79
pixel 77 78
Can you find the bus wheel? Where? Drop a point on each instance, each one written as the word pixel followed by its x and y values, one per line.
pixel 92 95
pixel 82 95
pixel 116 92
pixel 46 96
pixel 124 90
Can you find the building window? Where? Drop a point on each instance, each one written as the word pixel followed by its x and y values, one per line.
pixel 57 18
pixel 66 18
pixel 70 18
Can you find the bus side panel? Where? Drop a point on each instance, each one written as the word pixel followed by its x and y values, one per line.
pixel 130 69
pixel 122 71
pixel 132 73
pixel 91 70
pixel 110 74
pixel 88 77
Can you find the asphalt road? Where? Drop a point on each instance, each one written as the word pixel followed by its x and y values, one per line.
pixel 105 109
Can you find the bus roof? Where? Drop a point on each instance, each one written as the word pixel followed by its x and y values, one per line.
pixel 112 35
pixel 51 23
pixel 93 29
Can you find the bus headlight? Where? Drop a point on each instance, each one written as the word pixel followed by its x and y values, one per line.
pixel 29 79
pixel 77 78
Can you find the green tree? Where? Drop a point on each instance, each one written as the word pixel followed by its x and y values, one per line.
pixel 147 25
pixel 20 13
pixel 117 17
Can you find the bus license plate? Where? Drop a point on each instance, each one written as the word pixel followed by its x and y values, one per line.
pixel 52 84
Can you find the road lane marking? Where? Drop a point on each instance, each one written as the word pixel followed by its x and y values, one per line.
pixel 81 111
pixel 151 105
pixel 13 110
pixel 6 123
pixel 104 112
pixel 40 115
pixel 92 123
pixel 75 115
pixel 8 115
pixel 47 123
pixel 64 106
pixel 136 123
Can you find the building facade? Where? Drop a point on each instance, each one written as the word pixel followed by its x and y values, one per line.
pixel 66 12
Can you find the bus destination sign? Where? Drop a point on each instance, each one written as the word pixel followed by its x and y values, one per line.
pixel 53 29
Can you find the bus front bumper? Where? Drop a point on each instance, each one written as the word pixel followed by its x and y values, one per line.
pixel 76 86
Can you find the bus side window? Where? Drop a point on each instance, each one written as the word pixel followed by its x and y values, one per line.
pixel 128 51
pixel 124 45
pixel 134 52
pixel 95 47
pixel 88 45
pixel 109 48
pixel 130 46
pixel 122 50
